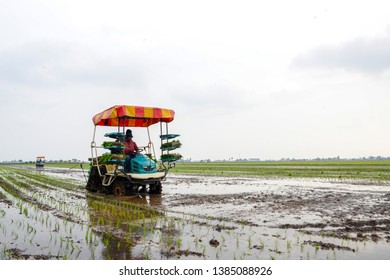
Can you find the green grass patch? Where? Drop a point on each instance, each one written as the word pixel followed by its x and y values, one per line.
pixel 357 170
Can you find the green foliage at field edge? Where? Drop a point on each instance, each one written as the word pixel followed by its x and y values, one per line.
pixel 360 170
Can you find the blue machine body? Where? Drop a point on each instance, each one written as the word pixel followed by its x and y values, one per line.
pixel 142 164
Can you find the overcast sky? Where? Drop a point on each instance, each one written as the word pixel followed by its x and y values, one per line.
pixel 247 79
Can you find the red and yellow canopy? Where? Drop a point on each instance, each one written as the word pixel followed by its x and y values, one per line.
pixel 133 116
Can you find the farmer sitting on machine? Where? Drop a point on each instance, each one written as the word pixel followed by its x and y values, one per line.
pixel 131 150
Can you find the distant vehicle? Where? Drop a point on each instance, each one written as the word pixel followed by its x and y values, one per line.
pixel 40 161
pixel 107 173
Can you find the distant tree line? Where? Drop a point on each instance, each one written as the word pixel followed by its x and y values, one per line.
pixel 299 159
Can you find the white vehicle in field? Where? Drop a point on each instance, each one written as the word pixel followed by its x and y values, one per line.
pixel 40 161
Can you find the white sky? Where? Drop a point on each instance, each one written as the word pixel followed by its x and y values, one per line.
pixel 247 79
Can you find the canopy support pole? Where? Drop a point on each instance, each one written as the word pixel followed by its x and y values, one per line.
pixel 94 148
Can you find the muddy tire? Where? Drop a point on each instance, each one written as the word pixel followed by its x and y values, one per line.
pixel 94 183
pixel 118 188
pixel 155 188
pixel 121 187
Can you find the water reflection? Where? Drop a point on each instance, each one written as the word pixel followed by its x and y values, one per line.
pixel 124 223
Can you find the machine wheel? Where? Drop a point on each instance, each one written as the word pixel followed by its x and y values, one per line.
pixel 94 183
pixel 155 188
pixel 118 188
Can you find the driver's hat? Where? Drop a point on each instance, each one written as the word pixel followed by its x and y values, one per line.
pixel 129 133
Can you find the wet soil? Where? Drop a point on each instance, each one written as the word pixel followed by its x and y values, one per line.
pixel 209 217
pixel 357 210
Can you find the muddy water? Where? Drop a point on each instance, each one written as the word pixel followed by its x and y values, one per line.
pixel 196 217
pixel 338 219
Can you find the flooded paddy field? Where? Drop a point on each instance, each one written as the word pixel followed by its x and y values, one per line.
pixel 47 214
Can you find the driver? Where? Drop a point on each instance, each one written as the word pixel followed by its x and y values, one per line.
pixel 131 150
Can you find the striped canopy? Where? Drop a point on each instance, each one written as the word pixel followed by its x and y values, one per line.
pixel 133 116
